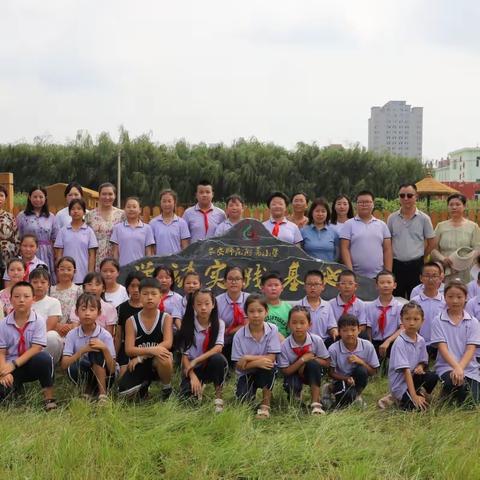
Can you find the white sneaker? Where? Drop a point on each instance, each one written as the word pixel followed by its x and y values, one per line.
pixel 386 402
pixel 218 402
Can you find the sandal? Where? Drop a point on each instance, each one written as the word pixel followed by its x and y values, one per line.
pixel 50 404
pixel 218 402
pixel 263 412
pixel 102 400
pixel 317 409
pixel 386 402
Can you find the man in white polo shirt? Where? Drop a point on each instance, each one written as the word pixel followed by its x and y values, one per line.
pixel 412 239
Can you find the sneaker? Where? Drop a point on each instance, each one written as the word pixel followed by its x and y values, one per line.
pixel 386 402
pixel 317 409
pixel 263 412
pixel 166 393
pixel 50 404
pixel 327 398
pixel 360 402
pixel 218 402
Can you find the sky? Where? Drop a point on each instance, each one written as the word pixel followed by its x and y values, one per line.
pixel 217 70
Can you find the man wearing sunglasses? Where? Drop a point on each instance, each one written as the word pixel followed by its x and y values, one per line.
pixel 412 239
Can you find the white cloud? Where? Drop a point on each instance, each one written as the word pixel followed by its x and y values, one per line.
pixel 213 71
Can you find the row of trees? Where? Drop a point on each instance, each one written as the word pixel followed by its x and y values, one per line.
pixel 248 167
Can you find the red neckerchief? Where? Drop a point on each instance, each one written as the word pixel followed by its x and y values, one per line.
pixel 205 217
pixel 206 340
pixel 301 351
pixel 382 319
pixel 238 317
pixel 22 344
pixel 348 305
pixel 276 229
pixel 161 305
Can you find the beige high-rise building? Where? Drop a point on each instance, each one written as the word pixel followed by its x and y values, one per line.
pixel 396 128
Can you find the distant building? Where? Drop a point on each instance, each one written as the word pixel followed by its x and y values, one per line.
pixel 462 165
pixel 396 128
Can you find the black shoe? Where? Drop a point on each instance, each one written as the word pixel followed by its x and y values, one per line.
pixel 166 393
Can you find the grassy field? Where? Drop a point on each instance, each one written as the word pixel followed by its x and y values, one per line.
pixel 175 441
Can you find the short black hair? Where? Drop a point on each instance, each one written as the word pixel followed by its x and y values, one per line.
pixel 319 202
pixel 150 282
pixel 365 192
pixel 406 185
pixel 348 320
pixel 314 273
pixel 269 276
pixel 234 198
pixel 71 185
pixel 77 201
pixel 134 275
pixel 432 264
pixel 458 196
pixel 279 195
pixel 385 273
pixel 21 284
pixel 347 273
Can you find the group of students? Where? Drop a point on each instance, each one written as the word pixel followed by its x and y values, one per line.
pixel 104 334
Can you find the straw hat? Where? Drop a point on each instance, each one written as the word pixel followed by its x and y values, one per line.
pixel 463 258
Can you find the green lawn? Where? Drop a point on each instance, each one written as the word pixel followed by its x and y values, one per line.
pixel 171 440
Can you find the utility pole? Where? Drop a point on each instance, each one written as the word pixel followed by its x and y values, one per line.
pixel 119 177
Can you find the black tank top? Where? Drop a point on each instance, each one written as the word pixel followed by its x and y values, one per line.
pixel 152 337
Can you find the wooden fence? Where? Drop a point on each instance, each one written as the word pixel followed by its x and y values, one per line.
pixel 262 214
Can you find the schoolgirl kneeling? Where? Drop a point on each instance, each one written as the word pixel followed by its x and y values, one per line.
pixel 89 352
pixel 255 348
pixel 302 357
pixel 201 340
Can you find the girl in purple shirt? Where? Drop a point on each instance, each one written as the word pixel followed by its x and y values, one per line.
pixel 37 219
pixel 89 353
pixel 410 381
pixel 170 302
pixel 231 306
pixel 201 340
pixel 457 336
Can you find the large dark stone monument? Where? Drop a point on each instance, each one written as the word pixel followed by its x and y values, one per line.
pixel 250 246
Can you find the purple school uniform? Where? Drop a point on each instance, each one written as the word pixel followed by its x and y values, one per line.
pixel 357 309
pixel 225 309
pixel 32 265
pixel 339 354
pixel 173 304
pixel 224 227
pixel 322 317
pixel 431 308
pixel 288 231
pixel 76 339
pixel 421 287
pixel 473 307
pixel 196 221
pixel 288 356
pixel 457 337
pixel 392 324
pixel 366 244
pixel 45 229
pixel 196 350
pixel 406 353
pixel 473 289
pixel 35 334
pixel 131 241
pixel 169 236
pixel 76 244
pixel 245 344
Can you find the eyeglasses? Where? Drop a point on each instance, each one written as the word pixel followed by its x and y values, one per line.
pixel 406 195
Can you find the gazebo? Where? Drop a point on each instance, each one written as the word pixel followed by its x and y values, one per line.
pixel 429 186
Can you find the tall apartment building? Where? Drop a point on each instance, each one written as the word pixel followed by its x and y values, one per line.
pixel 396 128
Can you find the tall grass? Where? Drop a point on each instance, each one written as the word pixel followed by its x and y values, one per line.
pixel 176 441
